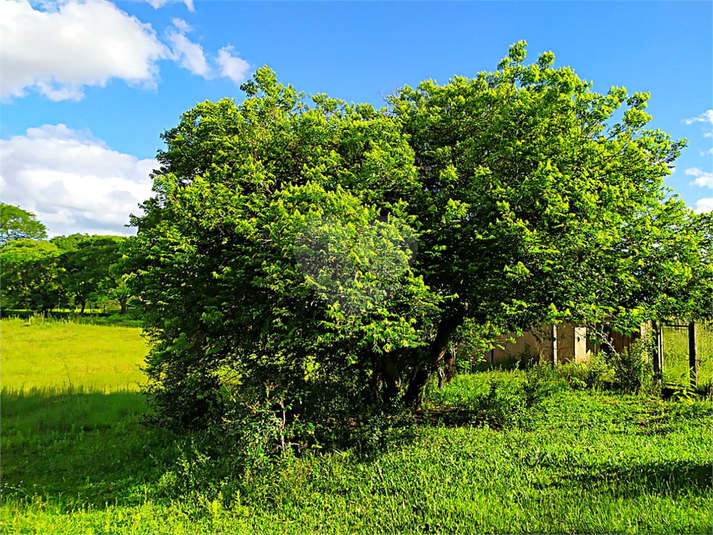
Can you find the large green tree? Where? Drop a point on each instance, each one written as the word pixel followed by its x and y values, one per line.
pixel 16 223
pixel 328 254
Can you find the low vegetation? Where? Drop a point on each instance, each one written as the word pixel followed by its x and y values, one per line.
pixel 498 451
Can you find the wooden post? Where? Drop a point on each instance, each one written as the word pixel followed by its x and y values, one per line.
pixel 554 345
pixel 693 353
pixel 661 347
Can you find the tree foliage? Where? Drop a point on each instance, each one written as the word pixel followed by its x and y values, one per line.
pixel 66 271
pixel 30 275
pixel 87 268
pixel 16 223
pixel 323 255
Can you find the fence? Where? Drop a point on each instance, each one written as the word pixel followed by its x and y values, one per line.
pixel 681 345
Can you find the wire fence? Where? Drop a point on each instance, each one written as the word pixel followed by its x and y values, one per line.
pixel 676 353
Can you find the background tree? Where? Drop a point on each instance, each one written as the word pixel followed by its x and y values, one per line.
pixel 262 258
pixel 30 275
pixel 87 267
pixel 16 223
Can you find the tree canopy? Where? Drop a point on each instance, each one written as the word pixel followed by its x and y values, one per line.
pixel 324 255
pixel 66 271
pixel 30 275
pixel 16 223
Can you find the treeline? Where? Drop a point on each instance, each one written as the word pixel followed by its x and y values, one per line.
pixel 65 272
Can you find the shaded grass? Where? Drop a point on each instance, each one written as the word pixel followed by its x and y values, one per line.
pixel 586 463
pixel 77 460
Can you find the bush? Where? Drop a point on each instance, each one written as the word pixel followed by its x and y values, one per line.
pixel 593 373
pixel 336 250
pixel 632 368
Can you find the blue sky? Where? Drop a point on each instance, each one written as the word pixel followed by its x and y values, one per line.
pixel 88 86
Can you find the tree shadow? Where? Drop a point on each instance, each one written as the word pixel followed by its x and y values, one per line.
pixel 673 478
pixel 79 447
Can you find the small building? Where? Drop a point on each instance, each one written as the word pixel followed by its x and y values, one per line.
pixel 566 342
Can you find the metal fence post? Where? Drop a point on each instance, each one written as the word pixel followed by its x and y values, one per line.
pixel 693 353
pixel 657 360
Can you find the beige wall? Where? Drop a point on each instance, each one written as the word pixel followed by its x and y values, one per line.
pixel 569 341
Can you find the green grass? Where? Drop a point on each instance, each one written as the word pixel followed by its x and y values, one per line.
pixel 38 353
pixel 78 461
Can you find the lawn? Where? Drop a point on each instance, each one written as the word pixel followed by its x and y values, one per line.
pixel 77 460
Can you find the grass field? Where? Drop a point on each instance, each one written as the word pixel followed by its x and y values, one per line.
pixel 77 460
pixel 41 354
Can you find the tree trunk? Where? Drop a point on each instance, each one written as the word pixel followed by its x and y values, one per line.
pixel 438 348
pixel 391 377
pixel 122 304
pixel 84 303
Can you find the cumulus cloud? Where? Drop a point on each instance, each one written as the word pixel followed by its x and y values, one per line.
pixel 704 205
pixel 192 57
pixel 703 178
pixel 182 25
pixel 157 4
pixel 189 54
pixel 78 43
pixel 65 45
pixel 705 117
pixel 231 66
pixel 72 181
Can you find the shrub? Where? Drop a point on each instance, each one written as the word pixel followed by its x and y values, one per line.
pixel 632 367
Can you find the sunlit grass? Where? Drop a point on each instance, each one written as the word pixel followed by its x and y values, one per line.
pixel 62 354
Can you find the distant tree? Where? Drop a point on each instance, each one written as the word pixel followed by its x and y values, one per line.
pixel 119 288
pixel 87 263
pixel 70 242
pixel 329 253
pixel 16 223
pixel 30 275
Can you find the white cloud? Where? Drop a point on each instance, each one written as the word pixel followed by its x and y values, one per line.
pixel 192 57
pixel 704 205
pixel 189 54
pixel 78 43
pixel 703 178
pixel 72 181
pixel 157 4
pixel 65 45
pixel 231 66
pixel 705 117
pixel 182 25
pixel 709 151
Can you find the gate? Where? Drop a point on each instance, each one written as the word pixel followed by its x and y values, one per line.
pixel 686 353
